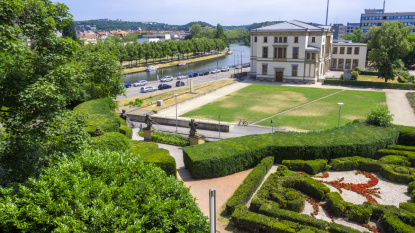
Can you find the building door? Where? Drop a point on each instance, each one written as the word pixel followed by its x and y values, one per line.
pixel 279 76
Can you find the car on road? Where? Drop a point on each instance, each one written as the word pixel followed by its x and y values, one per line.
pixel 181 77
pixel 214 71
pixel 147 89
pixel 166 79
pixel 234 67
pixel 238 67
pixel 192 75
pixel 127 85
pixel 206 72
pixel 201 73
pixel 246 65
pixel 140 83
pixel 180 83
pixel 164 86
pixel 225 68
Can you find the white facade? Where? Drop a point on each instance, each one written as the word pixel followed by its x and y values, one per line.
pixel 290 52
pixel 347 55
pixel 148 40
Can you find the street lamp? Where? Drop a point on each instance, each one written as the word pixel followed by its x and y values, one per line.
pixel 272 127
pixel 340 109
pixel 175 95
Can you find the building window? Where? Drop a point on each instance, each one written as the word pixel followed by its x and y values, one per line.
pixel 264 69
pixel 341 50
pixel 355 63
pixel 265 39
pixel 313 56
pixel 308 56
pixel 295 53
pixel 285 39
pixel 280 53
pixel 356 50
pixel 313 39
pixel 349 50
pixel 334 50
pixel 333 63
pixel 255 39
pixel 341 62
pixel 294 71
pixel 275 39
pixel 348 63
pixel 296 39
pixel 265 52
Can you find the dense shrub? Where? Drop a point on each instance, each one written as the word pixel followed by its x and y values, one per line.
pixel 365 72
pixel 95 191
pixel 151 153
pixel 341 208
pixel 408 154
pixel 401 147
pixel 111 141
pixel 346 163
pixel 357 69
pixel 407 206
pixel 406 86
pixel 127 131
pixel 392 223
pixel 231 155
pixel 355 75
pixel 169 138
pixel 406 135
pixel 379 116
pixel 251 183
pixel 395 159
pixel 312 167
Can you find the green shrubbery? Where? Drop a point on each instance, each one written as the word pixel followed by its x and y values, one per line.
pixel 354 75
pixel 137 102
pixel 379 116
pixel 406 135
pixel 127 131
pixel 111 141
pixel 105 191
pixel 312 167
pixel 231 155
pixel 405 86
pixel 169 138
pixel 410 155
pixel 341 208
pixel 249 185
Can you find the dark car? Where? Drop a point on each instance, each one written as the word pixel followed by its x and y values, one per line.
pixel 246 65
pixel 192 75
pixel 206 72
pixel 164 86
pixel 127 85
pixel 180 83
pixel 201 74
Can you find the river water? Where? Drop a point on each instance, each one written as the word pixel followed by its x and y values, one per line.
pixel 240 51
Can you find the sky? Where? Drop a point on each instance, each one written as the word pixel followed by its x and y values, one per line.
pixel 229 12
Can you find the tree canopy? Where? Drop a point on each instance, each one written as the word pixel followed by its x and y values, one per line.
pixel 195 29
pixel 356 37
pixel 388 44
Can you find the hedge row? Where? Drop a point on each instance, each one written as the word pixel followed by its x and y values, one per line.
pixel 410 155
pixel 249 185
pixel 392 172
pixel 405 86
pixel 312 167
pixel 406 135
pixel 365 72
pixel 341 208
pixel 272 210
pixel 232 155
pixel 150 153
pixel 168 138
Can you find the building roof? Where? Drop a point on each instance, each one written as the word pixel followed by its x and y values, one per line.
pixel 293 25
pixel 312 48
pixel 347 43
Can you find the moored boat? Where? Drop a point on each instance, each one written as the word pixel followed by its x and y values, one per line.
pixel 181 64
pixel 152 68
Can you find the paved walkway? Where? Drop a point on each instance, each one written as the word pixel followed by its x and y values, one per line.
pixel 399 106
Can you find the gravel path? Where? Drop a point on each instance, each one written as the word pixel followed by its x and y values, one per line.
pixel 399 106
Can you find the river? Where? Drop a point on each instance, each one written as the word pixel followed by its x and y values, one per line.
pixel 239 51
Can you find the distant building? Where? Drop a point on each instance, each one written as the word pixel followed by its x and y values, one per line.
pixel 161 37
pixel 291 51
pixel 375 17
pixel 148 40
pixel 136 29
pixel 351 27
pixel 347 55
pixel 339 30
pixel 88 38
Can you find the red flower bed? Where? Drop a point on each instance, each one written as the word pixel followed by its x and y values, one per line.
pixel 371 228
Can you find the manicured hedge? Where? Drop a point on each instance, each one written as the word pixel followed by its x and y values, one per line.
pixel 409 154
pixel 341 208
pixel 169 138
pixel 405 86
pixel 401 147
pixel 392 223
pixel 100 113
pixel 365 72
pixel 312 167
pixel 127 131
pixel 111 141
pixel 150 153
pixel 406 135
pixel 407 206
pixel 232 155
pixel 253 222
pixel 249 185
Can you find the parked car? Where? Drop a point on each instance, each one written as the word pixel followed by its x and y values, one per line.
pixel 166 79
pixel 180 83
pixel 206 72
pixel 147 89
pixel 140 83
pixel 192 75
pixel 127 85
pixel 214 71
pixel 234 67
pixel 238 67
pixel 225 68
pixel 246 65
pixel 201 73
pixel 164 86
pixel 181 77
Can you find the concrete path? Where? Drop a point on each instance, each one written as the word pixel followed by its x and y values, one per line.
pixel 399 106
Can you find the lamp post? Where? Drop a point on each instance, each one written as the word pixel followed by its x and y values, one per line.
pixel 272 127
pixel 175 95
pixel 340 109
pixel 212 210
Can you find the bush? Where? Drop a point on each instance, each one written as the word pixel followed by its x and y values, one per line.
pixel 407 206
pixel 312 167
pixel 355 75
pixel 227 156
pixel 373 73
pixel 340 208
pixel 311 187
pixel 169 138
pixel 137 102
pixel 358 70
pixel 127 131
pixel 251 183
pixel 379 116
pixel 392 223
pixel 112 142
pixel 345 164
pixel 405 86
pixel 395 159
pixel 411 187
pixel 410 155
pixel 396 173
pixel 101 191
pixel 406 135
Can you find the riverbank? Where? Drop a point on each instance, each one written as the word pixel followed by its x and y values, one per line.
pixel 172 64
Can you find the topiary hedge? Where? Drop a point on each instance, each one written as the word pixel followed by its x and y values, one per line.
pixel 406 135
pixel 312 167
pixel 232 155
pixel 410 155
pixel 168 138
pixel 127 131
pixel 341 208
pixel 251 183
pixel 405 86
pixel 111 141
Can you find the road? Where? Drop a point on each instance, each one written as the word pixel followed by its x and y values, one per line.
pixel 135 91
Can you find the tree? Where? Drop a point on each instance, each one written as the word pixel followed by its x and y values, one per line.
pixel 69 31
pixel 357 36
pixel 409 59
pixel 219 32
pixel 387 45
pixel 195 29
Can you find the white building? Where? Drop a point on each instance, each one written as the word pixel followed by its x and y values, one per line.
pixel 347 55
pixel 291 51
pixel 148 40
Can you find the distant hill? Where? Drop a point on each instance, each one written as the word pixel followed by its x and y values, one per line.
pixel 107 25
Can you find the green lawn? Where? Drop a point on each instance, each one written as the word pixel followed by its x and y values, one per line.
pixel 256 102
pixel 371 78
pixel 324 113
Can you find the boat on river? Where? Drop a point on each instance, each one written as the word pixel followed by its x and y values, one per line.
pixel 182 64
pixel 152 68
